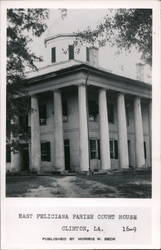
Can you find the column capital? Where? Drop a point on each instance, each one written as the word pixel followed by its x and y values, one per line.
pixel 137 98
pixel 103 89
pixel 82 83
pixel 34 95
pixel 57 90
pixel 120 93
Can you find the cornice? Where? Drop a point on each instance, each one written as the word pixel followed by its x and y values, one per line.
pixel 92 70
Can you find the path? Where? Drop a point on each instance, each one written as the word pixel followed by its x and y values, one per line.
pixel 72 187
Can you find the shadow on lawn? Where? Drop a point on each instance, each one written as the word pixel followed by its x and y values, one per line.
pixel 120 185
pixel 116 185
pixel 21 184
pixel 135 191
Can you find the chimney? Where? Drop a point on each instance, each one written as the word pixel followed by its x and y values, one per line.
pixel 140 71
pixel 92 56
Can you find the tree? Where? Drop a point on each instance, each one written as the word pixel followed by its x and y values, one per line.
pixel 23 24
pixel 125 28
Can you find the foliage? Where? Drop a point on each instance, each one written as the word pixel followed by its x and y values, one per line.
pixel 134 27
pixel 23 24
pixel 125 28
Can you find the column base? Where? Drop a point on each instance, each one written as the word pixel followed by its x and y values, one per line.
pixel 13 171
pixel 35 171
pixel 84 172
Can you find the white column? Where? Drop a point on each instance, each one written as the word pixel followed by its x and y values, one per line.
pixel 104 131
pixel 150 130
pixel 58 131
pixel 83 128
pixel 122 132
pixel 140 160
pixel 15 161
pixel 35 135
pixel 16 154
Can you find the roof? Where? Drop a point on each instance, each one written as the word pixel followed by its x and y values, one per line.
pixel 58 69
pixel 59 35
pixel 51 68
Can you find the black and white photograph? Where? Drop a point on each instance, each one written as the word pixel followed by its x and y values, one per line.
pixel 80 127
pixel 79 103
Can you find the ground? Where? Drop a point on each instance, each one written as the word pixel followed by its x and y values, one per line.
pixel 113 185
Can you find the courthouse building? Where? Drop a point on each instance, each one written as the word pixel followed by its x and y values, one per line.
pixel 83 117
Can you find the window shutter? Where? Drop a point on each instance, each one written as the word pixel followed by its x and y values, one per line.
pixel 71 52
pixel 43 114
pixel 65 108
pixel 23 121
pixel 116 149
pixel 145 155
pixel 111 149
pixel 48 151
pixel 87 54
pixel 111 113
pixel 93 109
pixel 8 153
pixel 98 143
pixel 93 149
pixel 45 151
pixel 53 55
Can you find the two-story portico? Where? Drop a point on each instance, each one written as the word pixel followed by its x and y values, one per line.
pixel 85 118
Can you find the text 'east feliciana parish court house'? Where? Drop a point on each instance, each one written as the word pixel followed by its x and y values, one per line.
pixel 83 117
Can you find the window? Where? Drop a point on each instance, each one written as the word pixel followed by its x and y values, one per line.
pixel 53 55
pixel 71 52
pixel 66 143
pixel 145 154
pixel 8 153
pixel 65 111
pixel 127 115
pixel 23 120
pixel 45 151
pixel 87 54
pixel 93 110
pixel 111 113
pixel 113 149
pixel 129 148
pixel 94 149
pixel 42 114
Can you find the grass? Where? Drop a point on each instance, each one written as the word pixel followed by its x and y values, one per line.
pixel 129 185
pixel 116 185
pixel 19 185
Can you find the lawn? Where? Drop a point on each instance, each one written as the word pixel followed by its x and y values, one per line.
pixel 128 185
pixel 114 185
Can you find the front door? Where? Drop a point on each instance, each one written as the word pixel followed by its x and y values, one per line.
pixel 67 154
pixel 129 153
pixel 25 157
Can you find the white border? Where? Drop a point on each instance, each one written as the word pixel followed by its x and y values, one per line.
pixel 156 120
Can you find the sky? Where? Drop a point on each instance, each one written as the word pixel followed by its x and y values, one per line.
pixel 110 58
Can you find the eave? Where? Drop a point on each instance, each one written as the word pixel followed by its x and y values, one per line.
pixel 92 70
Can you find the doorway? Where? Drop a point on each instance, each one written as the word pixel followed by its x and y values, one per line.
pixel 67 154
pixel 129 153
pixel 25 157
